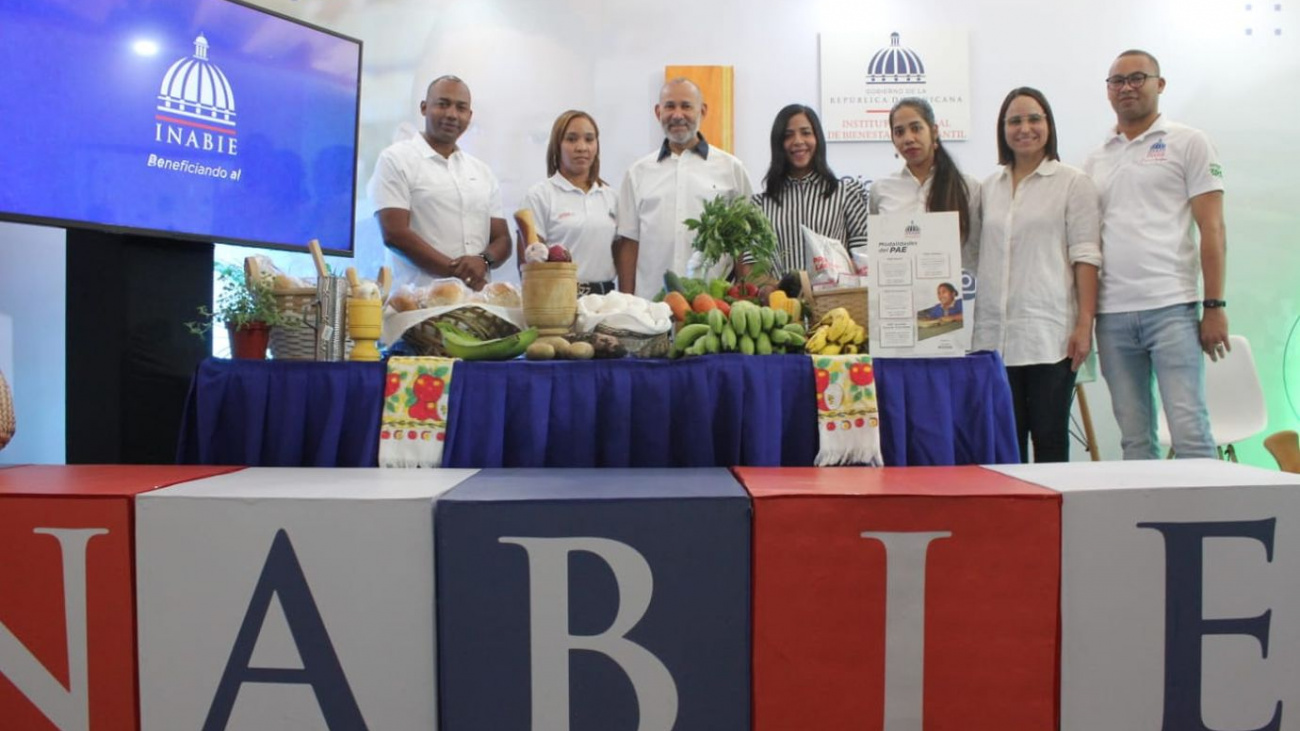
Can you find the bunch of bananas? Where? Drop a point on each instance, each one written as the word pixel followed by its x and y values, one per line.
pixel 836 333
pixel 460 344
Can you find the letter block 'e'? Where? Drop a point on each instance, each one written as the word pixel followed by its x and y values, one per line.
pixel 1180 601
pixel 594 600
pixel 903 600
pixel 67 625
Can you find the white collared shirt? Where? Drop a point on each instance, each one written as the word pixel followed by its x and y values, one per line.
pixel 1146 186
pixel 582 221
pixel 452 201
pixel 1030 241
pixel 901 192
pixel 658 195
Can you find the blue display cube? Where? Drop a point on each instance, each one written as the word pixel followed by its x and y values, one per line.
pixel 594 600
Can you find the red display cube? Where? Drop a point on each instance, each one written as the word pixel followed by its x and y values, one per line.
pixel 904 599
pixel 67 596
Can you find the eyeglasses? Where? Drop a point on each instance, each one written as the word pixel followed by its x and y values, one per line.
pixel 1135 80
pixel 1027 119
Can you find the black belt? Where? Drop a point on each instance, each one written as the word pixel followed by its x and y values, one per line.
pixel 595 287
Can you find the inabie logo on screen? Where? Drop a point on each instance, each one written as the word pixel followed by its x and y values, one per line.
pixel 912 231
pixel 196 106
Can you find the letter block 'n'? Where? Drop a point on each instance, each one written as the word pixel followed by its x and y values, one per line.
pixel 67 624
pixel 594 600
pixel 903 600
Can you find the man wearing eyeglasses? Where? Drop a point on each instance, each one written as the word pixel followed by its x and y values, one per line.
pixel 1156 178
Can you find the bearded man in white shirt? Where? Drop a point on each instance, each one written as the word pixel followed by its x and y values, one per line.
pixel 439 208
pixel 1156 178
pixel 662 190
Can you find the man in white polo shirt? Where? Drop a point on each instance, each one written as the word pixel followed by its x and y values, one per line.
pixel 1156 178
pixel 663 189
pixel 439 209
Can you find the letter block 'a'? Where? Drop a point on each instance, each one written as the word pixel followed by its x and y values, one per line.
pixel 594 600
pixel 289 598
pixel 1180 602
pixel 67 624
pixel 903 600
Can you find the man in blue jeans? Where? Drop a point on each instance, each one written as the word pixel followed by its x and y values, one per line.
pixel 1155 178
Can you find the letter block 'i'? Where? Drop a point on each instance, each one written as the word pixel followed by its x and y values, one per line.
pixel 67 609
pixel 903 600
pixel 594 600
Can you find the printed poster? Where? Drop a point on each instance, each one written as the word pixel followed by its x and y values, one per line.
pixel 917 308
pixel 865 72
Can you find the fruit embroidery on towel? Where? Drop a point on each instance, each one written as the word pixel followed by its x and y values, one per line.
pixel 844 389
pixel 412 411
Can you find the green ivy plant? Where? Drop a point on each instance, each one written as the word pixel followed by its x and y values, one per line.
pixel 238 303
pixel 736 227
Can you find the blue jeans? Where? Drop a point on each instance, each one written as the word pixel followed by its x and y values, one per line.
pixel 1164 342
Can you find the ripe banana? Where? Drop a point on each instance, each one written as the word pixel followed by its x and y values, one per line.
pixel 816 341
pixel 460 344
pixel 833 315
pixel 838 327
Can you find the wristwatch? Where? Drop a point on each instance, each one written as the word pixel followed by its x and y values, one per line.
pixel 1212 304
pixel 487 258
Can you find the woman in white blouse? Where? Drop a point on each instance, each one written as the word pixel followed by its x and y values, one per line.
pixel 1038 272
pixel 930 181
pixel 574 207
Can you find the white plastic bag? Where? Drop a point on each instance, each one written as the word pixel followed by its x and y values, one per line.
pixel 828 261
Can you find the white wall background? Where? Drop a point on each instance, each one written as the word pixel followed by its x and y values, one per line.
pixel 528 60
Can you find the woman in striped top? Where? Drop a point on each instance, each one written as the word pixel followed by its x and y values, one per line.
pixel 800 188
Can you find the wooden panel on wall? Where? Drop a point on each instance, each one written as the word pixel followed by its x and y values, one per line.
pixel 717 83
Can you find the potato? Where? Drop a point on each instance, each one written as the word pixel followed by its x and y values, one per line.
pixel 540 351
pixel 581 351
pixel 560 345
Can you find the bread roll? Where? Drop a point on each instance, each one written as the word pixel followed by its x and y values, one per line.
pixel 403 302
pixel 445 293
pixel 502 294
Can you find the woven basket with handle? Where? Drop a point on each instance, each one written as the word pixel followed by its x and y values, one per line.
pixel 853 299
pixel 426 338
pixel 8 423
pixel 294 339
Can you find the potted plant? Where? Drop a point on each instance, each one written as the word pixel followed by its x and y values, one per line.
pixel 737 229
pixel 248 310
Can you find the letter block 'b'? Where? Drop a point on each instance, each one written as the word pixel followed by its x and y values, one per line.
pixel 594 600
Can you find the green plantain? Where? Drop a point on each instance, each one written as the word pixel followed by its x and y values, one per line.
pixel 460 344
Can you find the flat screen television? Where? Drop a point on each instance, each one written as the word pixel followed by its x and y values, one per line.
pixel 211 120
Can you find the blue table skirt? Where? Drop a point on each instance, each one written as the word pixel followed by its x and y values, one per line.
pixel 723 410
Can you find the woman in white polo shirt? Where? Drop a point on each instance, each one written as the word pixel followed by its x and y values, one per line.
pixel 1040 251
pixel 930 181
pixel 574 207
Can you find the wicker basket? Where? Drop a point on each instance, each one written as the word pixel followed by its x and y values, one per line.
pixel 426 338
pixel 293 339
pixel 8 423
pixel 853 299
pixel 640 345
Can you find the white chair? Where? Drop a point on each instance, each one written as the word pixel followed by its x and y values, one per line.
pixel 1233 396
